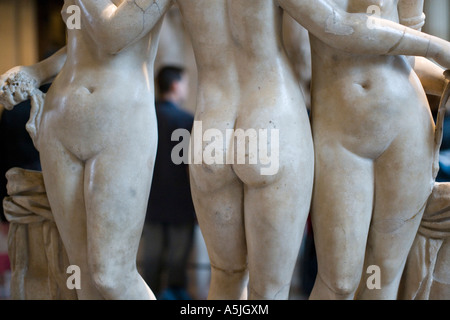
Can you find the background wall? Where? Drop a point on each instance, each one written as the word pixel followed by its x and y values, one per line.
pixel 438 18
pixel 18 33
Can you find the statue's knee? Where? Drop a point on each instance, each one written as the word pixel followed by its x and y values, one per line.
pixel 107 280
pixel 345 287
pixel 342 286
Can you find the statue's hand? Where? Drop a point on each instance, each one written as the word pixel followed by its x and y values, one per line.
pixel 447 74
pixel 17 85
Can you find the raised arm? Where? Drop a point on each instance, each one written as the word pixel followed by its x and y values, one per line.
pixel 430 74
pixel 48 69
pixel 364 34
pixel 115 27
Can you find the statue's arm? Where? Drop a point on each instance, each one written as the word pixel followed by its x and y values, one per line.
pixel 430 74
pixel 48 69
pixel 18 83
pixel 116 27
pixel 363 33
pixel 296 42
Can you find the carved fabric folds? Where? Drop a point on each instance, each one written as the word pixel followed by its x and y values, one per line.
pixel 427 273
pixel 38 258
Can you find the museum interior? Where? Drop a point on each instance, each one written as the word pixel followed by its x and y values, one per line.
pixel 172 257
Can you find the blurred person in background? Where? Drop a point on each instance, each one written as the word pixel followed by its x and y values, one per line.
pixel 170 221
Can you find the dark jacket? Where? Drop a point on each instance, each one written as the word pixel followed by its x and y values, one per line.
pixel 170 197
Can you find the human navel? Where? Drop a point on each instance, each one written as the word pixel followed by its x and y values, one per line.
pixel 90 90
pixel 364 85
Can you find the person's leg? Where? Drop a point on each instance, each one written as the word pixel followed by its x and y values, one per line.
pixel 276 201
pixel 275 218
pixel 218 200
pixel 154 242
pixel 403 184
pixel 117 185
pixel 180 238
pixel 64 181
pixel 341 214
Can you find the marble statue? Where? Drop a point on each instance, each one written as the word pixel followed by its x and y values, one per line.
pixel 97 138
pixel 374 140
pixel 373 136
pixel 356 56
pixel 252 223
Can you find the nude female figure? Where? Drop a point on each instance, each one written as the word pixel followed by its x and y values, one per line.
pixel 97 139
pixel 373 137
pixel 250 222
